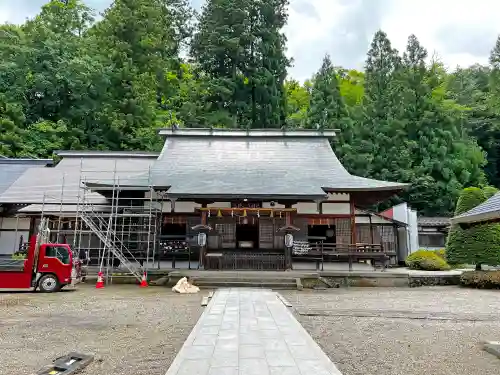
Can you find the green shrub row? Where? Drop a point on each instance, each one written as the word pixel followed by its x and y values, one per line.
pixel 479 243
pixel 481 279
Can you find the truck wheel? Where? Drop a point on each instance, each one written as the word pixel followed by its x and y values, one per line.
pixel 49 284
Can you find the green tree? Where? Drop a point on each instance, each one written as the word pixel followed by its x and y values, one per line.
pixel 239 49
pixel 11 122
pixel 378 148
pixel 140 41
pixel 478 244
pixel 327 108
pixel 298 99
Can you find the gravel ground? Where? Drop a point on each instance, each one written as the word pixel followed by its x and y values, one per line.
pixel 388 331
pixel 129 330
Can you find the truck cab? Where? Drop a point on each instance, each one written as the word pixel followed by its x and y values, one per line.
pixel 47 267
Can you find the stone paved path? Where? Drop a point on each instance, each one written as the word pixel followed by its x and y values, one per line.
pixel 249 332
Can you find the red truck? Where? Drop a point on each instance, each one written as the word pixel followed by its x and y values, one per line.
pixel 47 267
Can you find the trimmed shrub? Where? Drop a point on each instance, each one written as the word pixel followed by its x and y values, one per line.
pixel 426 260
pixel 441 253
pixel 481 279
pixel 489 191
pixel 477 244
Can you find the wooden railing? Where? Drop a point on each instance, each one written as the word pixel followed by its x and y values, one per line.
pixel 324 252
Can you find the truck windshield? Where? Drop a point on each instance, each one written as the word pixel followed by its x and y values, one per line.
pixel 58 252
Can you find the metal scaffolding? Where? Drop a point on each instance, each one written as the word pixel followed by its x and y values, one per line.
pixel 115 226
pixel 125 229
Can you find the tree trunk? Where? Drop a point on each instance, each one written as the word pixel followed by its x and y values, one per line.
pixel 478 267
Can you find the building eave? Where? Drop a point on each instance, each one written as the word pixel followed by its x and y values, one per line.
pixel 252 133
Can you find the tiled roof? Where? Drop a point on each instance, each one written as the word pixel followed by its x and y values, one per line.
pixel 486 211
pixel 12 169
pixel 51 186
pixel 433 221
pixel 240 164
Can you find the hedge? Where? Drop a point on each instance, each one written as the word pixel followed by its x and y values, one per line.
pixel 426 260
pixel 478 244
pixel 481 279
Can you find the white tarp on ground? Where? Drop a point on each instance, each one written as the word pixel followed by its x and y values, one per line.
pixel 183 286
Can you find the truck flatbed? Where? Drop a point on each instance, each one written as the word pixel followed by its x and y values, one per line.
pixel 11 265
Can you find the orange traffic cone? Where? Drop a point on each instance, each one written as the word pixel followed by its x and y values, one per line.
pixel 100 281
pixel 144 283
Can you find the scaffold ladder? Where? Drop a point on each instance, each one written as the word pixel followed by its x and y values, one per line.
pixel 135 269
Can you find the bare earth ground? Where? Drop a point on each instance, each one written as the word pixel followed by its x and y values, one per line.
pixel 365 331
pixel 128 329
pixel 386 331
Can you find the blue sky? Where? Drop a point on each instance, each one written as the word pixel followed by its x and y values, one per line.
pixel 459 32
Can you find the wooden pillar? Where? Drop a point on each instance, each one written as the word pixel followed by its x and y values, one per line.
pixel 371 230
pixel 353 220
pixel 203 250
pixel 288 216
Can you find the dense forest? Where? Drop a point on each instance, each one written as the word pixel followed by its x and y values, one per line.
pixel 69 80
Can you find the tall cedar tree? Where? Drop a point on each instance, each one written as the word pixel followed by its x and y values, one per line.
pixel 239 48
pixel 327 109
pixel 141 41
pixel 439 154
pixel 378 145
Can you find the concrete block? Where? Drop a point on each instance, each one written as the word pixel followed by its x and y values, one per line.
pixel 299 283
pixel 492 347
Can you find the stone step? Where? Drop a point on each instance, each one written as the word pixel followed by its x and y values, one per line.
pixel 211 284
pixel 245 279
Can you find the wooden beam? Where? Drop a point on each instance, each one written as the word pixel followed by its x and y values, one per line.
pixel 353 221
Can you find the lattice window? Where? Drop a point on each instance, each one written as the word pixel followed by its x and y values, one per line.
pixel 266 233
pixel 279 238
pixel 363 234
pixel 226 232
pixel 343 230
pixel 386 237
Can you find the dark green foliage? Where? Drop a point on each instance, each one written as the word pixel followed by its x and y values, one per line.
pixel 70 81
pixel 478 244
pixel 239 48
pixel 426 260
pixel 481 279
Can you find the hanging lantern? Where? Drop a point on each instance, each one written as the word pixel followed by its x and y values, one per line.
pixel 232 213
pixel 272 213
pixel 258 213
pixel 244 213
pixel 280 214
pixel 219 213
pixel 208 213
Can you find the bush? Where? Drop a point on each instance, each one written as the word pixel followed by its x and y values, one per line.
pixel 426 260
pixel 441 253
pixel 477 244
pixel 481 279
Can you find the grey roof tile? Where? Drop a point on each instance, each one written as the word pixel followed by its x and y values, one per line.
pixel 50 186
pixel 486 211
pixel 433 221
pixel 255 166
pixel 12 169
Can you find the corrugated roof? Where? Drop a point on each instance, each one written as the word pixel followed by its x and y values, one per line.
pixel 486 211
pixel 52 186
pixel 12 169
pixel 204 166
